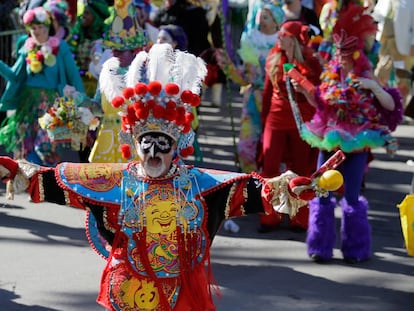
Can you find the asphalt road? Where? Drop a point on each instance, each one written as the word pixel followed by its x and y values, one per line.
pixel 46 263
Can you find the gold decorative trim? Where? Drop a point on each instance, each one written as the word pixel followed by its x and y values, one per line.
pixel 228 203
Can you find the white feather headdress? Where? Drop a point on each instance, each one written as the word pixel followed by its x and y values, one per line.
pixel 163 86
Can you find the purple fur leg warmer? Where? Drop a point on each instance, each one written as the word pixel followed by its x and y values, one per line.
pixel 355 231
pixel 321 230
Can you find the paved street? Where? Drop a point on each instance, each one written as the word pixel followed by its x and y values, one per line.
pixel 46 263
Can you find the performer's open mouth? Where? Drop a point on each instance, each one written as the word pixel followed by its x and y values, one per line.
pixel 154 162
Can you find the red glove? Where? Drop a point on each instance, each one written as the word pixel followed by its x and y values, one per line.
pixel 301 188
pixel 11 165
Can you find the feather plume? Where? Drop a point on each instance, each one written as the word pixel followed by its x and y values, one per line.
pixel 111 83
pixel 161 60
pixel 188 72
pixel 135 72
pixel 353 22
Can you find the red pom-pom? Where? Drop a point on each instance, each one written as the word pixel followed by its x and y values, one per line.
pixel 295 185
pixel 124 127
pixel 125 151
pixel 170 114
pixel 186 96
pixel 138 105
pixel 117 101
pixel 187 151
pixel 195 100
pixel 128 92
pixel 131 117
pixel 187 128
pixel 172 88
pixel 140 88
pixel 189 117
pixel 154 87
pixel 170 104
pixel 158 111
pixel 142 113
pixel 151 103
pixel 180 119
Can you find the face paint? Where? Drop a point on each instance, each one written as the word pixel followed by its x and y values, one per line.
pixel 155 143
pixel 156 152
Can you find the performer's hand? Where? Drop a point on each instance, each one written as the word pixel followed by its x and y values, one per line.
pixel 306 188
pixel 365 83
pixel 297 87
pixel 8 168
pixel 302 188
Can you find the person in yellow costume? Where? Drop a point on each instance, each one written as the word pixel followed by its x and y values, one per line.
pixel 125 41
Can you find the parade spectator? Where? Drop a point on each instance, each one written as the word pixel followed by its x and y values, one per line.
pixel 295 11
pixel 191 18
pixel 175 35
pixel 281 140
pixel 154 220
pixel 44 66
pixel 254 47
pixel 144 11
pixel 354 114
pixel 259 37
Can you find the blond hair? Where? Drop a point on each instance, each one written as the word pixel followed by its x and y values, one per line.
pixel 274 60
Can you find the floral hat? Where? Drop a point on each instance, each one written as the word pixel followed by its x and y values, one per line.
pixel 60 10
pixel 37 15
pixel 162 87
pixel 123 35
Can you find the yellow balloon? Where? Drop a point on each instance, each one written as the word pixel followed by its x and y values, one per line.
pixel 331 180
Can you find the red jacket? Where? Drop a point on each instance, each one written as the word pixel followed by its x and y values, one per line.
pixel 276 110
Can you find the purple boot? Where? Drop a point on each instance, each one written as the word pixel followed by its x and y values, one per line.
pixel 355 231
pixel 321 230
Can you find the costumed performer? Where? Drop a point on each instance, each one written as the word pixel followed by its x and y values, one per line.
pixel 281 141
pixel 44 66
pixel 154 220
pixel 125 41
pixel 90 26
pixel 354 114
pixel 259 36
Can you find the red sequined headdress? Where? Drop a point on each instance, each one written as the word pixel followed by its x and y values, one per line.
pixel 352 28
pixel 163 86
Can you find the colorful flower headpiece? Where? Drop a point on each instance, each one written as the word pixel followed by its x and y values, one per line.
pixel 351 29
pixel 37 15
pixel 163 86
